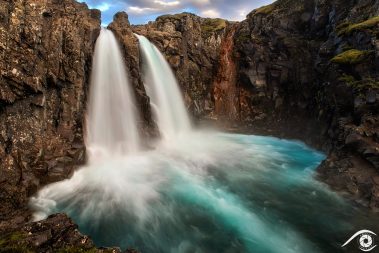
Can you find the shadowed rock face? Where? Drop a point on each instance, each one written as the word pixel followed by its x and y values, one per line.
pixel 45 60
pixel 309 70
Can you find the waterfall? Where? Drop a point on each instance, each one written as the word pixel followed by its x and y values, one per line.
pixel 112 120
pixel 162 88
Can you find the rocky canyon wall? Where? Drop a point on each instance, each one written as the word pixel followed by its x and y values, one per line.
pixel 309 70
pixel 295 69
pixel 45 59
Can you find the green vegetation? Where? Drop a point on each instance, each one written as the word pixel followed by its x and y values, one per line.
pixel 78 250
pixel 366 83
pixel 243 37
pixel 267 9
pixel 351 57
pixel 282 5
pixel 13 243
pixel 213 25
pixel 347 28
pixel 178 17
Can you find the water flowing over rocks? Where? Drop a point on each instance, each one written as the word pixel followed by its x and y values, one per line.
pixel 129 43
pixel 45 60
pixel 294 69
pixel 191 45
pixel 304 70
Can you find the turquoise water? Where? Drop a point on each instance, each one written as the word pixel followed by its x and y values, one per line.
pixel 208 192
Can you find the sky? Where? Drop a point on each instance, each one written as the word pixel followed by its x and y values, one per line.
pixel 142 11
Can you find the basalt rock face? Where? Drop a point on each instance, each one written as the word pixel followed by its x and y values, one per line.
pixel 191 45
pixel 129 43
pixel 309 70
pixel 46 52
pixel 57 232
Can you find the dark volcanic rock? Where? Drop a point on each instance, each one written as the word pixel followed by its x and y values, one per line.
pixel 123 31
pixel 309 70
pixel 46 51
pixel 191 45
pixel 45 59
pixel 56 233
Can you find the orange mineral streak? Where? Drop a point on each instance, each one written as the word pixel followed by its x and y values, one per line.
pixel 224 86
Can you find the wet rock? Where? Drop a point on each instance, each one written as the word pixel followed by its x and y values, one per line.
pixel 129 42
pixel 56 233
pixel 191 45
pixel 286 72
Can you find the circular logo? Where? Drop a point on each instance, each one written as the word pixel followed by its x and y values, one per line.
pixel 365 241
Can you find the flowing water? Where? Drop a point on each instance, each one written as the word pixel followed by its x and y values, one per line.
pixel 198 192
pixel 162 88
pixel 112 120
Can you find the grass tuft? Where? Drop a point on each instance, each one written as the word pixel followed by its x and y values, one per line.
pixel 347 28
pixel 351 57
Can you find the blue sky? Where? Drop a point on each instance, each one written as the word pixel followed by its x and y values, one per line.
pixel 142 11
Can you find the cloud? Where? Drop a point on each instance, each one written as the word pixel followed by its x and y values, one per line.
pixel 142 11
pixel 211 13
pixel 103 7
pixel 163 3
pixel 138 10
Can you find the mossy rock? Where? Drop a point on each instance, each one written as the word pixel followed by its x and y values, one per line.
pixel 176 17
pixel 351 57
pixel 282 5
pixel 243 38
pixel 13 242
pixel 266 10
pixel 77 250
pixel 213 25
pixel 347 28
pixel 364 84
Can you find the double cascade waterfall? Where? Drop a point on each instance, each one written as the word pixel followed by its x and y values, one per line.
pixel 195 191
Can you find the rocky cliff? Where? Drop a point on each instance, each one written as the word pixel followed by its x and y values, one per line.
pixel 191 45
pixel 46 52
pixel 304 69
pixel 309 70
pixel 296 69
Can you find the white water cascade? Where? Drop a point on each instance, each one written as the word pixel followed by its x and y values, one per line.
pixel 162 88
pixel 112 120
pixel 201 191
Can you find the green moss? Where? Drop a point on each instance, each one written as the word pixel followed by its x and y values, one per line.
pixel 178 16
pixel 213 25
pixel 348 28
pixel 348 79
pixel 282 5
pixel 267 9
pixel 13 243
pixel 351 57
pixel 364 84
pixel 75 249
pixel 243 37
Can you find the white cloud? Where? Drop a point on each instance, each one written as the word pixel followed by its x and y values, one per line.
pixel 103 7
pixel 200 2
pixel 139 10
pixel 212 13
pixel 163 3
